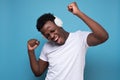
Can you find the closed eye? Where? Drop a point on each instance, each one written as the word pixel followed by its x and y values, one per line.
pixel 52 31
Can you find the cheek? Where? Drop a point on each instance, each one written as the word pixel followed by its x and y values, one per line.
pixel 61 35
pixel 59 32
pixel 62 38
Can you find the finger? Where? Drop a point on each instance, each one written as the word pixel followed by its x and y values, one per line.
pixel 69 7
pixel 37 42
pixel 35 46
pixel 29 47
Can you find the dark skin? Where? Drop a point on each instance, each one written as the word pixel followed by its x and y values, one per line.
pixel 54 33
pixel 58 35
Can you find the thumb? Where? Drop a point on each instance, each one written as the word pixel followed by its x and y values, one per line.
pixel 37 42
pixel 35 46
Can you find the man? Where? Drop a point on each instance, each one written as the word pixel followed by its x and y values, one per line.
pixel 64 53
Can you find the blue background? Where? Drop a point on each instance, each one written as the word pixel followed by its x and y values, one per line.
pixel 17 25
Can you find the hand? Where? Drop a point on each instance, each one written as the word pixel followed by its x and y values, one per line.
pixel 32 44
pixel 73 8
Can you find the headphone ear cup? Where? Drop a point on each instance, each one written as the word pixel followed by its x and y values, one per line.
pixel 58 21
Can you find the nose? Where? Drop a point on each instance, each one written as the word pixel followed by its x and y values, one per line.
pixel 51 36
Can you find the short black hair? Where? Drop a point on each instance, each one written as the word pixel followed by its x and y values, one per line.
pixel 43 19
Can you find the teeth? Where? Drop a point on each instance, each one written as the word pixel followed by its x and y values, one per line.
pixel 56 38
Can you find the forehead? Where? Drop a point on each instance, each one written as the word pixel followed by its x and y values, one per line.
pixel 48 26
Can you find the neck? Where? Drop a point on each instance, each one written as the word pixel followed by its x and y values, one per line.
pixel 66 34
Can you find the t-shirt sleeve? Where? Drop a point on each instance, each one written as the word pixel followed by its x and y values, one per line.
pixel 84 35
pixel 43 55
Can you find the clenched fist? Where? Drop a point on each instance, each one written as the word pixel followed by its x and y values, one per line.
pixel 32 44
pixel 73 8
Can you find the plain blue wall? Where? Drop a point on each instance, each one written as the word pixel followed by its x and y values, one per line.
pixel 17 25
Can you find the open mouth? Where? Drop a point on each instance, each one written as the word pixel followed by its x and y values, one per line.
pixel 56 39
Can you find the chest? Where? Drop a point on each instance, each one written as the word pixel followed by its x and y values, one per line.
pixel 65 54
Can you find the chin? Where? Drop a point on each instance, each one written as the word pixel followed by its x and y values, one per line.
pixel 62 43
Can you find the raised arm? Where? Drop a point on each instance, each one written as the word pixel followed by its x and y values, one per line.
pixel 37 66
pixel 98 35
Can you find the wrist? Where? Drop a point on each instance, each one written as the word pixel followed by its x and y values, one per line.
pixel 78 13
pixel 30 51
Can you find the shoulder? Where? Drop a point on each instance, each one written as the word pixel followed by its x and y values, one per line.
pixel 50 46
pixel 47 45
pixel 82 37
pixel 81 33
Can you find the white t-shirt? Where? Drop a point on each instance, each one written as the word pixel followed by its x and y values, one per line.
pixel 66 62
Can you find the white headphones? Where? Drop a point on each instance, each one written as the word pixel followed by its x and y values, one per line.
pixel 58 21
